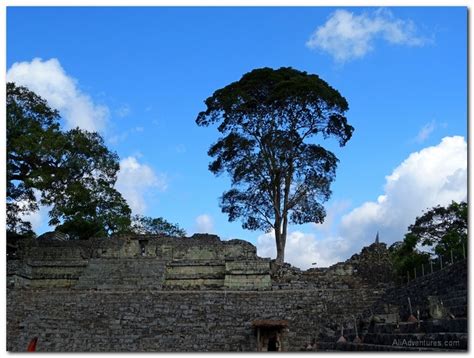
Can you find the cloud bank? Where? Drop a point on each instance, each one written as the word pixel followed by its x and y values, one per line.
pixel 347 36
pixel 135 181
pixel 50 81
pixel 433 176
pixel 305 250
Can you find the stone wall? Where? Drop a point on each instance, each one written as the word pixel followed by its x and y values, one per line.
pixel 448 284
pixel 112 320
pixel 140 262
pixel 370 268
pixel 192 294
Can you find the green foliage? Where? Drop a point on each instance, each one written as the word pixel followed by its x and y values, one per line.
pixel 145 225
pixel 73 172
pixel 32 130
pixel 406 257
pixel 442 229
pixel 266 120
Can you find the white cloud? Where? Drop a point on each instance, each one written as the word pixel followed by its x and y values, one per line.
pixel 346 36
pixel 435 175
pixel 425 131
pixel 204 224
pixel 38 218
pixel 305 250
pixel 49 80
pixel 135 180
pixel 332 213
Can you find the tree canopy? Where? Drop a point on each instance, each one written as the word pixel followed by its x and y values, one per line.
pixel 406 256
pixel 278 176
pixel 441 230
pixel 145 225
pixel 32 130
pixel 73 171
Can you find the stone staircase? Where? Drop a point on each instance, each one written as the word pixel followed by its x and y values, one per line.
pixel 453 298
pixel 387 327
pixel 433 335
pixel 123 274
pixel 456 301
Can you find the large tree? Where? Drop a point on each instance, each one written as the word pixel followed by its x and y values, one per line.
pixel 439 231
pixel 73 171
pixel 32 132
pixel 279 174
pixel 442 228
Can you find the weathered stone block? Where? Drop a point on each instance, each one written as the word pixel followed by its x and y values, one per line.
pixel 195 271
pixel 247 267
pixel 195 283
pixel 247 282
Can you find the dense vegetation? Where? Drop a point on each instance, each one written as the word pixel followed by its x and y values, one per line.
pixel 72 172
pixel 441 231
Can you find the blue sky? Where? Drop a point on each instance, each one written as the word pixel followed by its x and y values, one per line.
pixel 140 76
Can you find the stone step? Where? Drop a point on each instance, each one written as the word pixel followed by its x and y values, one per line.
pixel 454 292
pixel 451 339
pixel 455 301
pixel 349 346
pixel 448 292
pixel 457 306
pixel 112 273
pixel 383 335
pixel 459 311
pixel 431 326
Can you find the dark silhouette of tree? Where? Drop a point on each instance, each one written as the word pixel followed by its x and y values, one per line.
pixel 405 255
pixel 145 225
pixel 32 130
pixel 443 228
pixel 267 120
pixel 440 229
pixel 73 172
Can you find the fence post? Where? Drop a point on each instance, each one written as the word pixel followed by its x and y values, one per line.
pixel 431 265
pixel 414 272
pixel 441 262
pixel 452 259
pixel 422 269
pixel 408 276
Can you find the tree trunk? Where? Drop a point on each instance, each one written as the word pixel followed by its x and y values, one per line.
pixel 280 259
pixel 280 238
pixel 283 222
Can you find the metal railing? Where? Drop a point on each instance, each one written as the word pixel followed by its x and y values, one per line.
pixel 434 265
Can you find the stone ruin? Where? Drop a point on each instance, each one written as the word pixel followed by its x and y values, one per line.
pixel 158 293
pixel 141 262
